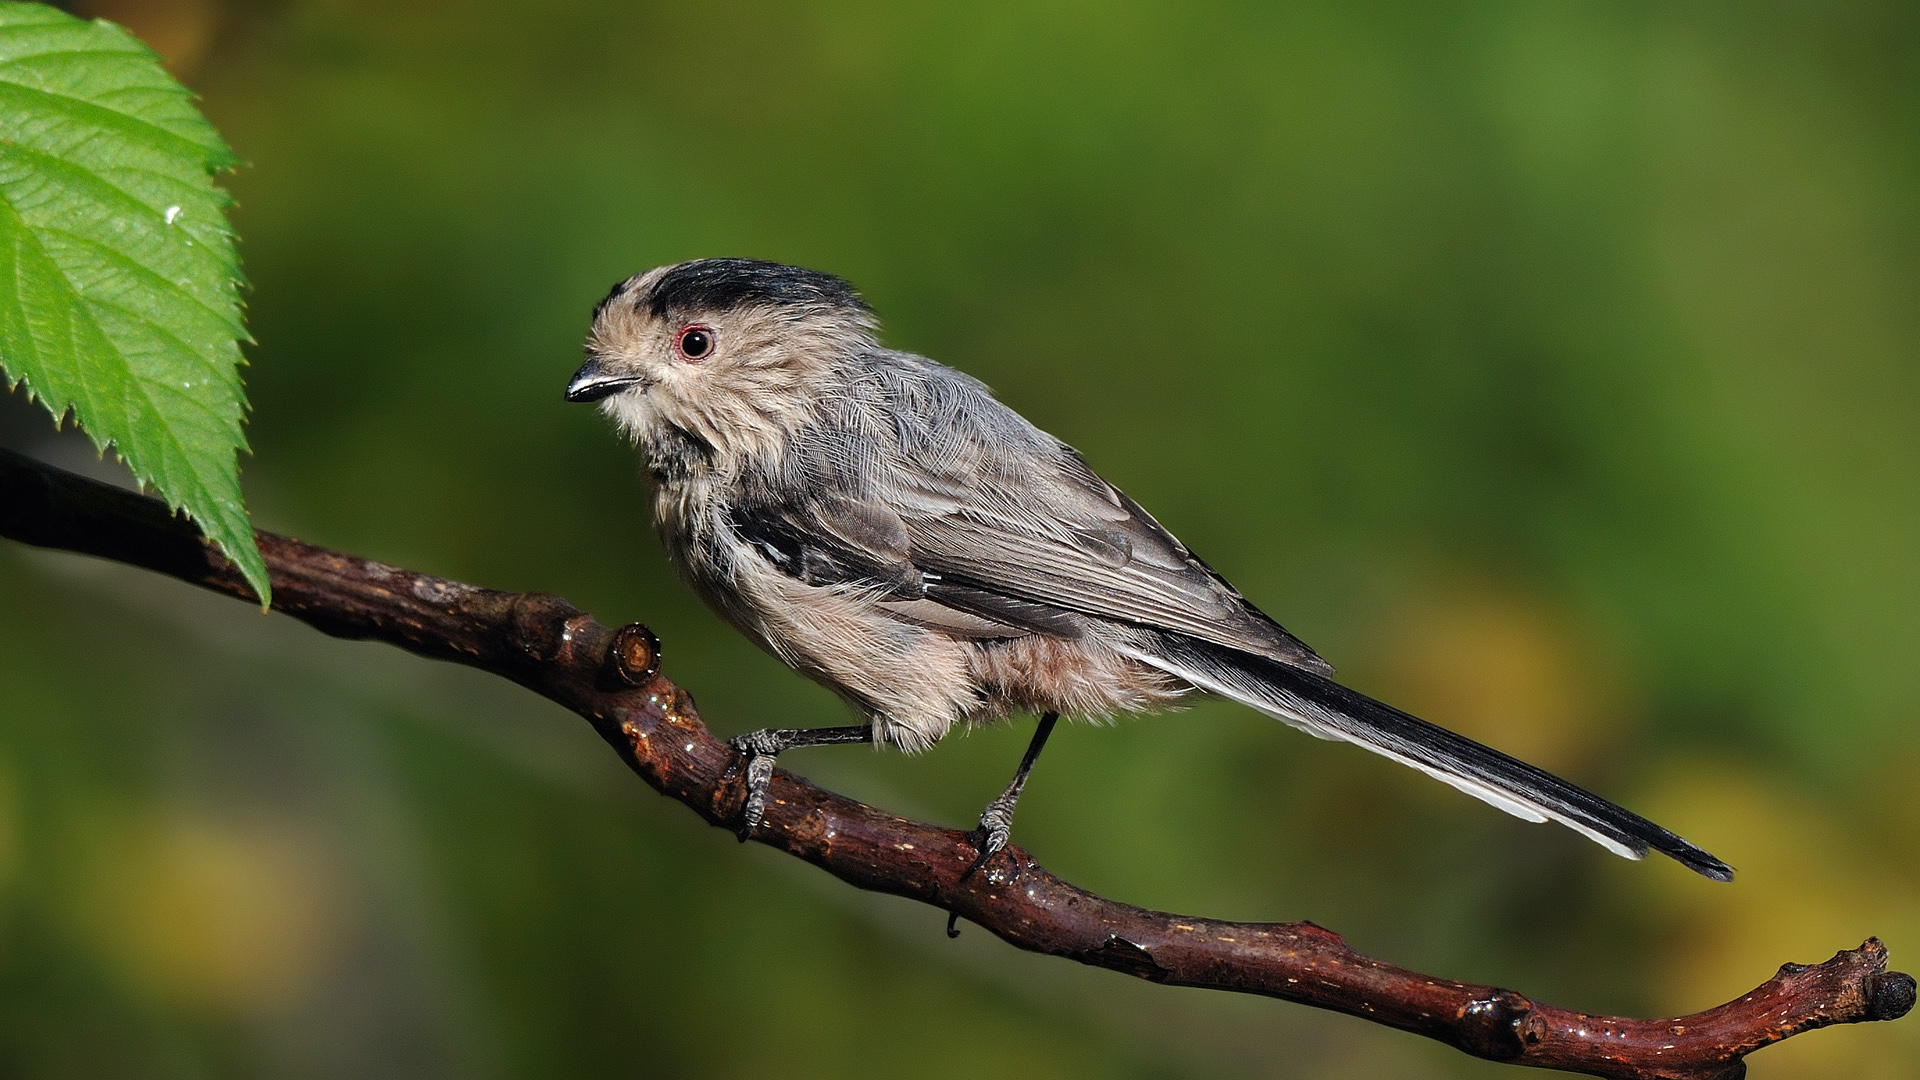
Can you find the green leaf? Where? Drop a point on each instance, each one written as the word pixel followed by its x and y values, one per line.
pixel 119 286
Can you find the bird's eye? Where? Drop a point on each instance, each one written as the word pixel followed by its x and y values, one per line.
pixel 695 342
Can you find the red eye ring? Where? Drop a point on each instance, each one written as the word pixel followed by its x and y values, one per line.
pixel 695 342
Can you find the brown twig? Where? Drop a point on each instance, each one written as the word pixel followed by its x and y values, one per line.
pixel 612 679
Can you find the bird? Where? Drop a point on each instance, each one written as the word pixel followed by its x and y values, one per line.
pixel 885 526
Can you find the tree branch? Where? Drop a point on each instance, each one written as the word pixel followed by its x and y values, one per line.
pixel 612 679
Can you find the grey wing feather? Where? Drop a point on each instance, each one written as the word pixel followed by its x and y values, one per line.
pixel 984 513
pixel 1063 537
pixel 831 539
pixel 834 540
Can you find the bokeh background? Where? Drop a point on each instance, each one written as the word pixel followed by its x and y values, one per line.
pixel 1550 367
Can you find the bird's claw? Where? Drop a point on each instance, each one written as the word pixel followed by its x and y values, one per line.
pixel 759 750
pixel 990 839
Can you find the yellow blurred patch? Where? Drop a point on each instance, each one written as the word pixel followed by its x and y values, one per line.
pixel 1503 668
pixel 210 914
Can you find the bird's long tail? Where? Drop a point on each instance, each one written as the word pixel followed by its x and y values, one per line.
pixel 1324 708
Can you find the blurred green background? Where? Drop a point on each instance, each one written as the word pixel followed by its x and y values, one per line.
pixel 1550 367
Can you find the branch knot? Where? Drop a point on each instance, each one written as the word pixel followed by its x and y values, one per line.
pixel 1499 1026
pixel 1890 995
pixel 635 654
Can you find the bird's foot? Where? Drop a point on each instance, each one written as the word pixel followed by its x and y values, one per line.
pixel 990 839
pixel 761 749
pixel 996 821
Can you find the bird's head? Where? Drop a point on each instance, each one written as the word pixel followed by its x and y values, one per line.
pixel 732 352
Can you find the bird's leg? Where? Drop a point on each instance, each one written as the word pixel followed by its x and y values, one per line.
pixel 760 748
pixel 996 821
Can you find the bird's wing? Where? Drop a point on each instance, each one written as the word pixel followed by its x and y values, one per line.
pixel 1058 537
pixel 828 539
pixel 1034 549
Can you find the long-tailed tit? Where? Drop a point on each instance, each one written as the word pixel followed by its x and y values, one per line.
pixel 884 526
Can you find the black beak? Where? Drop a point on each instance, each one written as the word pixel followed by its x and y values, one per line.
pixel 593 382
